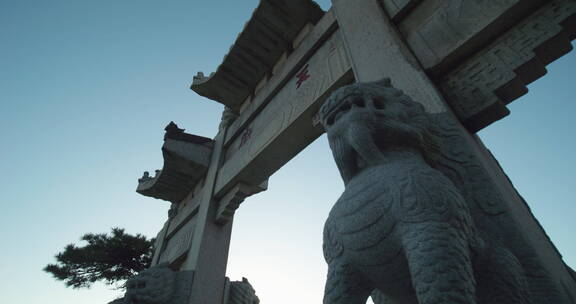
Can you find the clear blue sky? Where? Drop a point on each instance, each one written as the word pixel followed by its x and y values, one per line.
pixel 86 88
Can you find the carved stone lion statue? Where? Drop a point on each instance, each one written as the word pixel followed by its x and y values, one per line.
pixel 152 286
pixel 161 285
pixel 401 228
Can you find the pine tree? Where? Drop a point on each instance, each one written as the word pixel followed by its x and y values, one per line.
pixel 108 258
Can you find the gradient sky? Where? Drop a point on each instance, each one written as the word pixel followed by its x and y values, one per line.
pixel 86 88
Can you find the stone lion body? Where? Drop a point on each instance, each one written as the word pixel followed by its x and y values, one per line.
pixel 401 227
pixel 155 285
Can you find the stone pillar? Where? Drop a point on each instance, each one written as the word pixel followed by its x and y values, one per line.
pixel 376 50
pixel 208 254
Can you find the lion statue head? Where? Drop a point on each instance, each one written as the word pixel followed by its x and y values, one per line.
pixel 378 113
pixel 152 286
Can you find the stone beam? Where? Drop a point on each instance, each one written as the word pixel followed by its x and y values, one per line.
pixel 377 51
pixel 441 33
pixel 228 204
pixel 480 88
pixel 265 37
pixel 484 53
pixel 305 44
pixel 278 123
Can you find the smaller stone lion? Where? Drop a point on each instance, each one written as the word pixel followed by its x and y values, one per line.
pixel 155 285
pixel 401 227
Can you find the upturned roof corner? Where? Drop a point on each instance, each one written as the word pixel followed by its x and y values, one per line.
pixel 186 160
pixel 268 34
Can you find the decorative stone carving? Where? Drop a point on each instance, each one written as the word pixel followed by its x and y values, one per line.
pixel 177 242
pixel 402 227
pixel 151 286
pixel 162 285
pixel 228 117
pixel 173 211
pixel 231 201
pixel 479 89
pixel 158 285
pixel 186 159
pixel 240 292
pixel 145 177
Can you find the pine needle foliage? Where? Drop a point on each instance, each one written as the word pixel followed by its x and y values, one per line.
pixel 105 257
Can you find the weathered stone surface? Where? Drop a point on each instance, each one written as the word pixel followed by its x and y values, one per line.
pixel 376 50
pixel 397 9
pixel 484 53
pixel 240 292
pixel 208 249
pixel 161 285
pixel 290 68
pixel 401 226
pixel 228 204
pixel 208 252
pixel 178 243
pixel 270 122
pixel 158 285
pixel 186 210
pixel 186 159
pixel 498 208
pixel 193 228
pixel 441 33
pixel 479 89
pixel 266 36
pixel 228 117
pixel 282 128
pixel 159 243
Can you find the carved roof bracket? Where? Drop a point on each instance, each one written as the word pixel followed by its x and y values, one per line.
pixel 233 198
pixel 186 160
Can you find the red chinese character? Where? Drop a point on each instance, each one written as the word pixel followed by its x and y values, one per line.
pixel 302 76
pixel 245 136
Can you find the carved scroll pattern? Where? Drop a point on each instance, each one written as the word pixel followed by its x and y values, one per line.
pixel 472 87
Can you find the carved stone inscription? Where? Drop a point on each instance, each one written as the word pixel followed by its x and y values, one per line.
pixel 317 34
pixel 328 65
pixel 180 243
pixel 185 212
